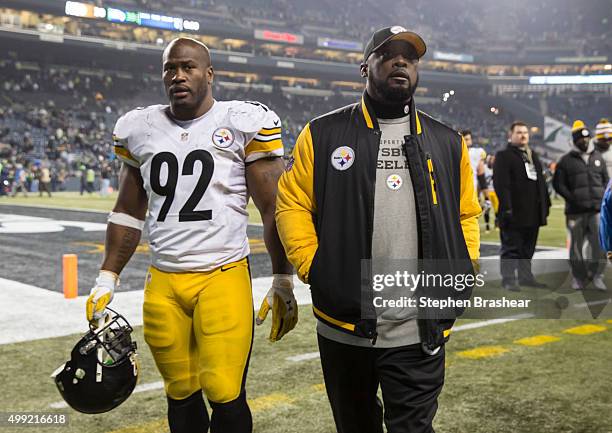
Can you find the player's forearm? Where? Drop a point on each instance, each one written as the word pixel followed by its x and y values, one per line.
pixel 121 242
pixel 280 263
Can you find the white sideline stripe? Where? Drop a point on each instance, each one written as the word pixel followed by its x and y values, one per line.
pixel 491 322
pixel 303 357
pixel 586 304
pixel 140 388
pixel 467 326
pixel 32 313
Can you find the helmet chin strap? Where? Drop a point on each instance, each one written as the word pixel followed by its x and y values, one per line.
pixel 100 355
pixel 100 352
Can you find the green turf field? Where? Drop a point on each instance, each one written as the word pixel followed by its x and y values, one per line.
pixel 527 376
pixel 93 202
pixel 552 235
pixel 496 382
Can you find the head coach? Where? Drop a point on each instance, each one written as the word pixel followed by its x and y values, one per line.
pixel 378 180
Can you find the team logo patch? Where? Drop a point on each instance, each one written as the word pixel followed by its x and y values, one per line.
pixel 223 137
pixel 342 158
pixel 597 163
pixel 394 182
pixel 397 29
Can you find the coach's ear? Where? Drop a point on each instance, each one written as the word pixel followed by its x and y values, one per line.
pixel 364 70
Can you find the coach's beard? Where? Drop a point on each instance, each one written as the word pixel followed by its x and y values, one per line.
pixel 395 95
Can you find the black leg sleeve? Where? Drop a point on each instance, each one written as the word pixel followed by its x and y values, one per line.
pixel 188 415
pixel 231 417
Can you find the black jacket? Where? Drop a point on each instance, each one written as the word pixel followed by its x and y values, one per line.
pixel 527 201
pixel 582 185
pixel 325 214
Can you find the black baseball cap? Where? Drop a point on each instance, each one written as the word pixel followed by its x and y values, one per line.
pixel 386 34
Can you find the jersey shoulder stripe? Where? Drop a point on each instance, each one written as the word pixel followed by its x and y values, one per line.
pixel 266 139
pixel 265 132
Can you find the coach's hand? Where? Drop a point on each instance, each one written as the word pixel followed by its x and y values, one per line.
pixel 101 295
pixel 283 304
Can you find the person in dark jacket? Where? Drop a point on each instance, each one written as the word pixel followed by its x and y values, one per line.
pixel 581 178
pixel 379 180
pixel 524 206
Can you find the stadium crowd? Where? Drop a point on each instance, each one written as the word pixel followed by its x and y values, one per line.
pixel 64 116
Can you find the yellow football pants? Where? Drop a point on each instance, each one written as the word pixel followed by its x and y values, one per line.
pixel 199 327
pixel 494 200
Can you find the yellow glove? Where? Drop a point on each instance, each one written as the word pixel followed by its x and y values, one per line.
pixel 101 295
pixel 283 304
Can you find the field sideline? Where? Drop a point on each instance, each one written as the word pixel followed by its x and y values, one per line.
pixel 552 235
pixel 522 376
pixel 529 376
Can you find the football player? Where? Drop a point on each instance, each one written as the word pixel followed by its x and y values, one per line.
pixel 188 170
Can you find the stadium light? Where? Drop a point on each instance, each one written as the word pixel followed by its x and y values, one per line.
pixel 571 79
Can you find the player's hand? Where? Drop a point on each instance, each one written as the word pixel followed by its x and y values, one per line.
pixel 610 256
pixel 101 295
pixel 284 308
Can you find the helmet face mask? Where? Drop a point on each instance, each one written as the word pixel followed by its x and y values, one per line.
pixel 102 371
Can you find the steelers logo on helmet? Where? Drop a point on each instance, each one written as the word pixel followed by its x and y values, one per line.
pixel 223 137
pixel 397 29
pixel 342 158
pixel 394 182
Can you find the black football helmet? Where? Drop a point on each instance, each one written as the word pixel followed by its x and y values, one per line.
pixel 102 371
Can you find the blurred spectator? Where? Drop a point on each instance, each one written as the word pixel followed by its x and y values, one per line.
pixel 524 206
pixel 105 174
pixel 603 139
pixel 581 178
pixel 44 181
pixel 19 181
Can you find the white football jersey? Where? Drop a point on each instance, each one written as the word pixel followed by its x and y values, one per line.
pixel 477 154
pixel 195 178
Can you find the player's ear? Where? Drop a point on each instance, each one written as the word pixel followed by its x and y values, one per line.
pixel 210 75
pixel 364 70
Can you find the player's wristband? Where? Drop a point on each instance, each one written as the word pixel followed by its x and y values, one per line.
pixel 283 280
pixel 107 279
pixel 126 220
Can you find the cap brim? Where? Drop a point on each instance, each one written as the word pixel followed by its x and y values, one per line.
pixel 412 38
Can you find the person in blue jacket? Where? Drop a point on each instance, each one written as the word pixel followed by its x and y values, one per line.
pixel 605 223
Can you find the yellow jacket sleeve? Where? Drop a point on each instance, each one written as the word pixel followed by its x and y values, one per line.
pixel 469 207
pixel 295 206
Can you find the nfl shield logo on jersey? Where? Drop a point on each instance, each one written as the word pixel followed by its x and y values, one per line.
pixel 223 137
